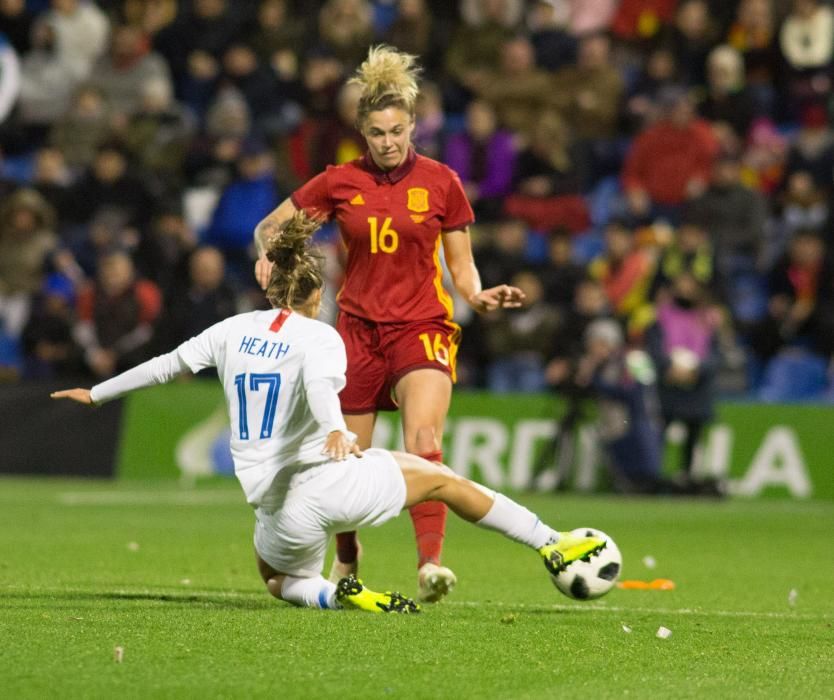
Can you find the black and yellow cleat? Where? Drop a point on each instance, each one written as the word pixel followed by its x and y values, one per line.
pixel 352 594
pixel 568 549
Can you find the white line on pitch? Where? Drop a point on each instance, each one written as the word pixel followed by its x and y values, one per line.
pixel 185 591
pixel 591 607
pixel 149 498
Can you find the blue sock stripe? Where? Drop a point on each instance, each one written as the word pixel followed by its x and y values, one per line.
pixel 323 599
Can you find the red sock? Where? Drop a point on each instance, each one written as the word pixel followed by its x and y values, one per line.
pixel 346 547
pixel 429 520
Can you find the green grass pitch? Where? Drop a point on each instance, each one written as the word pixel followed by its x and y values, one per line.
pixel 167 574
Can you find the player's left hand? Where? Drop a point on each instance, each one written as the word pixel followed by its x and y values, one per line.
pixel 501 297
pixel 79 395
pixel 339 446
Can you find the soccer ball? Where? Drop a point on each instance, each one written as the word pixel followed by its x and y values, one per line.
pixel 587 580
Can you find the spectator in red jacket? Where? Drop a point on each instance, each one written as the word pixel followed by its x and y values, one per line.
pixel 116 316
pixel 670 161
pixel 641 20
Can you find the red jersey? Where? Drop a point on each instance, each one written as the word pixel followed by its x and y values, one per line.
pixel 391 224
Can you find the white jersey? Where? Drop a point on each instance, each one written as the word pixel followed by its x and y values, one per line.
pixel 273 365
pixel 265 361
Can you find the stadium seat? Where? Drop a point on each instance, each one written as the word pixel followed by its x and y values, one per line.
pixel 602 200
pixel 794 375
pixel 11 358
pixel 587 246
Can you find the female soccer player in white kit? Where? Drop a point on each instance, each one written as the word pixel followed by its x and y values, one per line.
pixel 298 465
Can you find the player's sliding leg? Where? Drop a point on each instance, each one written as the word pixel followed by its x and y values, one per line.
pixel 316 592
pixel 488 509
pixel 423 396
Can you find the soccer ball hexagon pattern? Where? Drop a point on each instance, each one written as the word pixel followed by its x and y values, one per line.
pixel 588 580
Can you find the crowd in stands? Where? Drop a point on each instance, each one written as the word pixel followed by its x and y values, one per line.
pixel 665 164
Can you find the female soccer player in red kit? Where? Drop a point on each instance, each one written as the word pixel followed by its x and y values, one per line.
pixel 394 208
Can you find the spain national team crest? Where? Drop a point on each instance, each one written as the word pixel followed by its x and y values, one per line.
pixel 418 199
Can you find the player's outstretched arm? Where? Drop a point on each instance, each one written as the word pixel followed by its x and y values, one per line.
pixel 157 370
pixel 269 226
pixel 78 394
pixel 467 281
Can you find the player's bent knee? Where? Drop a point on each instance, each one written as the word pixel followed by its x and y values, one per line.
pixel 425 440
pixel 274 586
pixel 273 580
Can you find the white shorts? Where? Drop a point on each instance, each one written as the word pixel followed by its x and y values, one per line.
pixel 330 498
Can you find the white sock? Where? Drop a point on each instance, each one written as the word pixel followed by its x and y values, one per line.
pixel 314 592
pixel 516 522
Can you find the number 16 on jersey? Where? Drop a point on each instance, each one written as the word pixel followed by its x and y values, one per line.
pixel 383 239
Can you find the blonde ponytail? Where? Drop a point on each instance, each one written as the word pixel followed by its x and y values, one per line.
pixel 297 267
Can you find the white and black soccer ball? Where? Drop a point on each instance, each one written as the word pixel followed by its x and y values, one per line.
pixel 587 580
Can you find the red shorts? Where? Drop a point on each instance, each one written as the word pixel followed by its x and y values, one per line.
pixel 379 354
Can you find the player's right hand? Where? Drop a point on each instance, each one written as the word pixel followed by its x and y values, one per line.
pixel 79 395
pixel 263 271
pixel 339 446
pixel 501 297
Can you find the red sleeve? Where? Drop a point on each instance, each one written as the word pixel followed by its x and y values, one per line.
pixel 706 154
pixel 459 212
pixel 86 303
pixel 314 196
pixel 150 301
